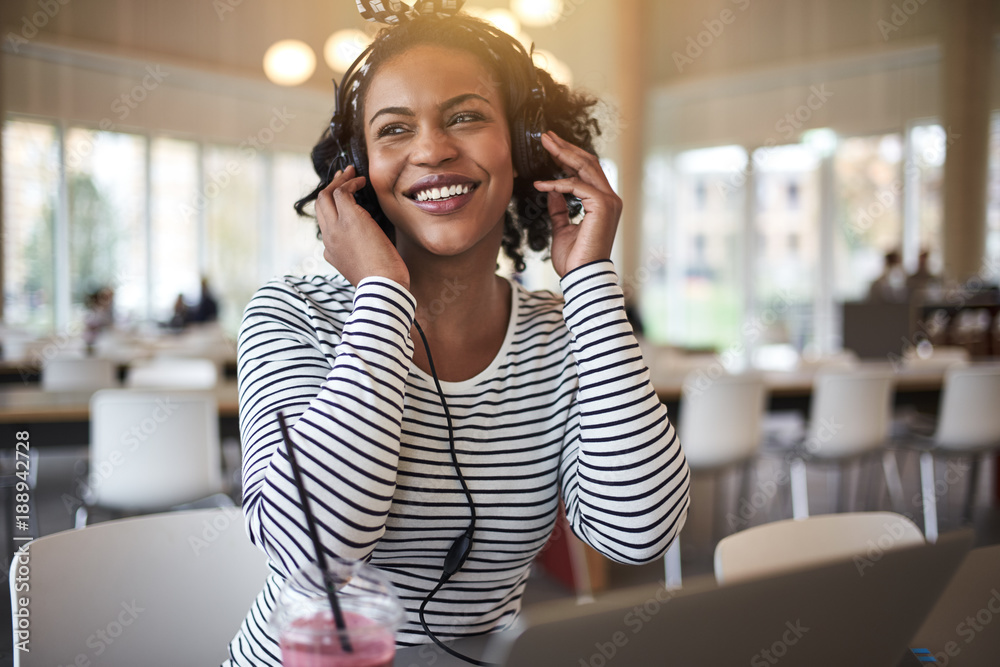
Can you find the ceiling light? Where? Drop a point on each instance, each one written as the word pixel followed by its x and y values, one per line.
pixel 504 20
pixel 343 47
pixel 289 62
pixel 538 13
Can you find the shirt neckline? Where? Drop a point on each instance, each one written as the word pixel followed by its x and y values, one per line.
pixel 489 371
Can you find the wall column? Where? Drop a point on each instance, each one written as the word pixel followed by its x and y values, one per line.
pixel 631 91
pixel 967 59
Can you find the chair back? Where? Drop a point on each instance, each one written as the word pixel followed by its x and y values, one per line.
pixel 150 450
pixel 969 417
pixel 78 374
pixel 778 547
pixel 720 419
pixel 162 589
pixel 850 413
pixel 172 373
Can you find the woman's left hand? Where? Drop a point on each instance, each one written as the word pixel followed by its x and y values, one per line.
pixel 591 240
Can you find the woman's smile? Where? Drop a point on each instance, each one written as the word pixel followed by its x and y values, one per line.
pixel 440 194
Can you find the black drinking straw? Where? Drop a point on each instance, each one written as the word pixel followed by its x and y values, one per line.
pixel 331 594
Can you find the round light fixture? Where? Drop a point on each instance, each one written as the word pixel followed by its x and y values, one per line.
pixel 343 47
pixel 538 13
pixel 289 62
pixel 505 20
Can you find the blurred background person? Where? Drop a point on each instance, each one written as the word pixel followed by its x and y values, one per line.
pixel 207 308
pixel 923 284
pixel 100 315
pixel 890 286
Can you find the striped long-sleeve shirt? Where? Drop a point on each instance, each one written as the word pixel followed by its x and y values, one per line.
pixel 566 409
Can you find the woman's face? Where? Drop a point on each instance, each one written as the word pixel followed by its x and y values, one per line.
pixel 439 150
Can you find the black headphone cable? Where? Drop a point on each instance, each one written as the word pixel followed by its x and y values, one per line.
pixel 462 546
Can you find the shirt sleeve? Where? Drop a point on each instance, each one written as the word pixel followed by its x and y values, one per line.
pixel 625 482
pixel 345 420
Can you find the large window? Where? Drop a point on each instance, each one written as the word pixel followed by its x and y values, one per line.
pixel 297 251
pixel 106 196
pixel 869 190
pixel 762 255
pixel 992 269
pixel 147 217
pixel 31 187
pixel 175 224
pixel 233 196
pixel 705 265
pixel 787 245
pixel 924 171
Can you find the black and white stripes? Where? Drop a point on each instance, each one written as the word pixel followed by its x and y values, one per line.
pixel 565 409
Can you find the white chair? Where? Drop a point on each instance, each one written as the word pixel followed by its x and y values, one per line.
pixel 78 374
pixel 849 419
pixel 165 589
pixel 720 418
pixel 172 373
pixel 151 450
pixel 968 425
pixel 781 546
pixel 719 426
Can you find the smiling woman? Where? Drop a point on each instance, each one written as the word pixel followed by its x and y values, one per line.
pixel 446 471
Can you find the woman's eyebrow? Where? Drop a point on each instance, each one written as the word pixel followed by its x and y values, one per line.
pixel 458 99
pixel 447 104
pixel 396 111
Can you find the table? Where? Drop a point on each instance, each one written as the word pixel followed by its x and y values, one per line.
pixel 31 404
pixel 63 417
pixel 28 373
pixel 60 418
pixel 916 386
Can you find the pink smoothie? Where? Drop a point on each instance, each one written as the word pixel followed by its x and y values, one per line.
pixel 313 642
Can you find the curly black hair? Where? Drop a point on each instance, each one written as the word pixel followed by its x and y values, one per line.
pixel 568 113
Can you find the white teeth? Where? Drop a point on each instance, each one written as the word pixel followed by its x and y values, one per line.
pixel 442 193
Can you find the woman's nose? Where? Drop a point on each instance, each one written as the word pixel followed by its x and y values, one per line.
pixel 432 147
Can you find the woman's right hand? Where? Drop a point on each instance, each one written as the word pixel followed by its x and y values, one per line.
pixel 353 242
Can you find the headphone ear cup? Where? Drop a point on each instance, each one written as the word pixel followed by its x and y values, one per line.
pixel 529 156
pixel 519 147
pixel 358 157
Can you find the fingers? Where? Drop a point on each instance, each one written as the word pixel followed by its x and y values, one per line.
pixel 558 211
pixel 338 197
pixel 575 159
pixel 343 196
pixel 339 178
pixel 585 192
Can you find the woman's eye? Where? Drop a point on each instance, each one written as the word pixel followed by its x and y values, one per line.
pixel 390 130
pixel 466 117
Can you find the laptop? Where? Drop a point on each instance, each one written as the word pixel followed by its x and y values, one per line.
pixel 848 612
pixel 963 627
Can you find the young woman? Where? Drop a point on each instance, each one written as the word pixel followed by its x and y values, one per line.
pixel 516 400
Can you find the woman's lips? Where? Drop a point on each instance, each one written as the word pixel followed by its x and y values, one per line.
pixel 444 206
